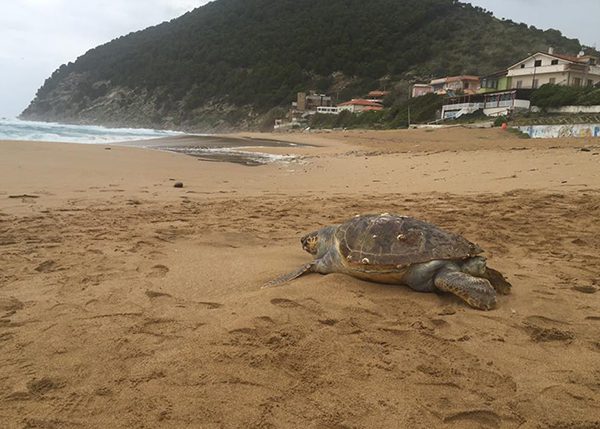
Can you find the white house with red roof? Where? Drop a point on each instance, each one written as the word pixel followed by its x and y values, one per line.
pixel 360 105
pixel 547 67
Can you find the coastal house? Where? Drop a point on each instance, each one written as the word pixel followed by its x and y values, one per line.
pixel 377 96
pixel 498 81
pixel 548 67
pixel 311 101
pixel 455 85
pixel 360 105
pixel 450 85
pixel 491 103
pixel 419 89
pixel 328 110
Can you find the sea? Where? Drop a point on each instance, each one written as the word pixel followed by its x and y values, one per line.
pixel 15 129
pixel 201 146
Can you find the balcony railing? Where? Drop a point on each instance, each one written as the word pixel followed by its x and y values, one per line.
pixel 528 71
pixel 461 106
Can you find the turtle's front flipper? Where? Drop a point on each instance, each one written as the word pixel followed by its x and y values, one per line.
pixel 308 268
pixel 499 283
pixel 477 292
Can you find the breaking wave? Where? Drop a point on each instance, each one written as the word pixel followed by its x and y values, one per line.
pixel 15 129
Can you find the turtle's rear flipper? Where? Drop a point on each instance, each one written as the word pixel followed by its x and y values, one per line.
pixel 290 276
pixel 499 283
pixel 477 292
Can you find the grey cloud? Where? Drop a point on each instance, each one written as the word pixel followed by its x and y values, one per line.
pixel 575 19
pixel 37 36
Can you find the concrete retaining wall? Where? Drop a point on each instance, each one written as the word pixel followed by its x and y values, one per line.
pixel 556 131
pixel 576 109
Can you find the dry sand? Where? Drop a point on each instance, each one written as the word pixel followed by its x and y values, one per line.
pixel 127 303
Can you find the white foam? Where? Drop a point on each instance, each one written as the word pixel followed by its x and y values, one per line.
pixel 261 157
pixel 15 129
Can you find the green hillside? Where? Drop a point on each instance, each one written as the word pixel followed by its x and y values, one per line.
pixel 229 62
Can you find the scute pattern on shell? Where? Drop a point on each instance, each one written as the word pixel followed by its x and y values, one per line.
pixel 398 241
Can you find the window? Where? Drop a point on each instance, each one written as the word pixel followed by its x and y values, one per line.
pixel 538 63
pixel 554 62
pixel 552 81
pixel 577 81
pixel 535 83
pixel 522 66
pixel 519 84
pixel 593 61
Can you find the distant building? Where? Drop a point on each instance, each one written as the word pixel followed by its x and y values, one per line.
pixel 455 85
pixel 377 96
pixel 311 101
pixel 542 68
pixel 451 85
pixel 360 105
pixel 492 103
pixel 419 89
pixel 328 110
pixel 497 81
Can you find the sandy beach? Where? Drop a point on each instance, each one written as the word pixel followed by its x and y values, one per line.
pixel 128 303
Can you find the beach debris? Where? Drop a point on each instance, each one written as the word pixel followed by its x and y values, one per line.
pixel 23 196
pixel 178 185
pixel 585 149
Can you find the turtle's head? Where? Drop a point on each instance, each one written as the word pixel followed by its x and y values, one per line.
pixel 319 242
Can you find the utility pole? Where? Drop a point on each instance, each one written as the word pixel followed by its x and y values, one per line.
pixel 408 103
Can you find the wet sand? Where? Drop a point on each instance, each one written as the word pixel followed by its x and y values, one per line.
pixel 249 151
pixel 125 302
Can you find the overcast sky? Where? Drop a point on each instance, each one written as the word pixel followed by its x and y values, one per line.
pixel 37 36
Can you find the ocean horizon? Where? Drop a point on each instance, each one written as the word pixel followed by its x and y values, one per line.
pixel 16 129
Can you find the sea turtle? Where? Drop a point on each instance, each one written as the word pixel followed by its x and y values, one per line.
pixel 402 250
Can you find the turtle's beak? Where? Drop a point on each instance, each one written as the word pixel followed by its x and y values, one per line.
pixel 309 243
pixel 304 240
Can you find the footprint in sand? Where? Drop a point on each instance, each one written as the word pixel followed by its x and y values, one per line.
pixel 264 321
pixel 244 331
pixel 39 387
pixel 285 303
pixel 585 289
pixel 9 306
pixel 182 303
pixel 153 294
pixel 47 267
pixel 209 305
pixel 482 418
pixel 543 329
pixel 158 271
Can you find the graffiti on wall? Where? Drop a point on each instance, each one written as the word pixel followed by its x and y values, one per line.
pixel 558 131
